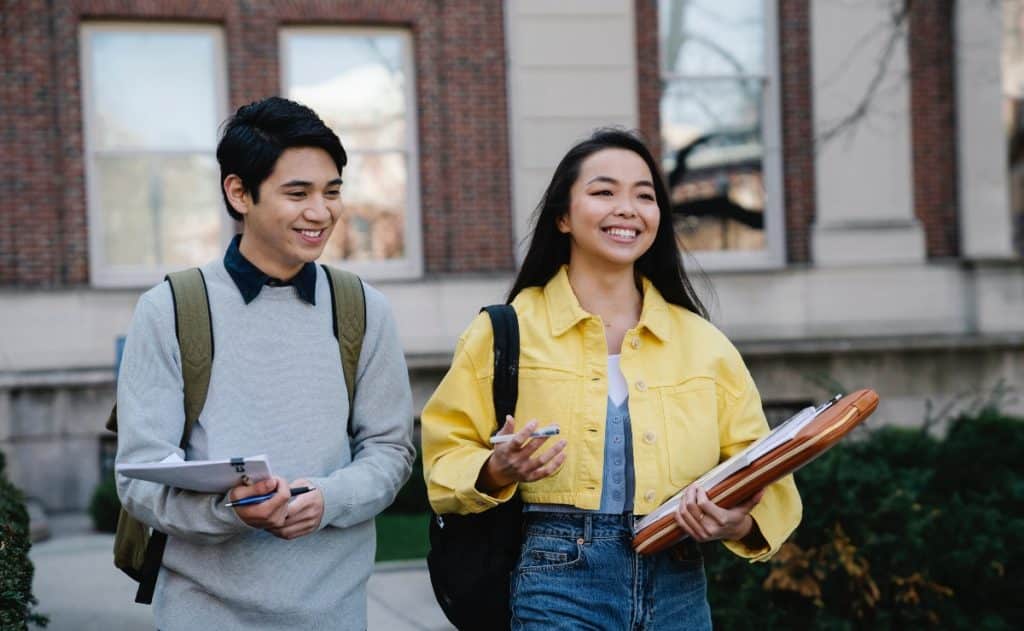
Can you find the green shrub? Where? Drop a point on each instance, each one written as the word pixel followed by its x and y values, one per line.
pixel 900 530
pixel 16 599
pixel 105 506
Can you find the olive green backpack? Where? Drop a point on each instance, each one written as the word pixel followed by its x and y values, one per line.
pixel 138 550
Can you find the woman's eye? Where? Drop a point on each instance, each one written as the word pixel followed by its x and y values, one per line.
pixel 648 196
pixel 605 193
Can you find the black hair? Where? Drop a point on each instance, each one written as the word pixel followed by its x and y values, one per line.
pixel 256 136
pixel 662 263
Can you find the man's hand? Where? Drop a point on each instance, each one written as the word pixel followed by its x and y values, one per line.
pixel 268 514
pixel 704 520
pixel 303 515
pixel 514 462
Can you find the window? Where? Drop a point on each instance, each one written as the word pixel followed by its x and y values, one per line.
pixel 360 81
pixel 1013 112
pixel 720 129
pixel 152 97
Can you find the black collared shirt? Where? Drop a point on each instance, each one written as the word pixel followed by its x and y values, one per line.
pixel 250 279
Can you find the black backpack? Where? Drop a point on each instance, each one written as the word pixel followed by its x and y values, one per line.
pixel 472 557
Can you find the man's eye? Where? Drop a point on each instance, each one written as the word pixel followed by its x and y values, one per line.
pixel 334 193
pixel 296 194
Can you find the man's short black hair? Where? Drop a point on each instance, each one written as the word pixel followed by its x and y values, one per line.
pixel 256 136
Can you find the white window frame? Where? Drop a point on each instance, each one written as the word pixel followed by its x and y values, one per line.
pixel 102 274
pixel 773 256
pixel 411 265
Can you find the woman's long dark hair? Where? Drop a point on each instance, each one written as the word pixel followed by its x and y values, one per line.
pixel 549 247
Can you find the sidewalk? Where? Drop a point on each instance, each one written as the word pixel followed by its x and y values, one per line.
pixel 79 588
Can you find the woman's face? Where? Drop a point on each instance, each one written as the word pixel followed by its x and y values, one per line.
pixel 613 214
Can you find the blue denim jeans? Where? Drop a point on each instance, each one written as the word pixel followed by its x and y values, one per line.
pixel 578 571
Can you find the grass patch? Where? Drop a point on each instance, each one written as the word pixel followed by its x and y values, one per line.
pixel 402 536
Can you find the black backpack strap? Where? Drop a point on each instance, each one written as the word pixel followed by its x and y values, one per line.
pixel 505 389
pixel 193 327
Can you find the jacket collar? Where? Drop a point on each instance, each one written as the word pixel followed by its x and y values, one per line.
pixel 565 312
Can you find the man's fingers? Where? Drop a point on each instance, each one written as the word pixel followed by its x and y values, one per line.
pixel 259 488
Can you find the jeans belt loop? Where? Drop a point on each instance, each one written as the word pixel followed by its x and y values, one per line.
pixel 588 525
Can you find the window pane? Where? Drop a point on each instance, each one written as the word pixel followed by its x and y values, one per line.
pixel 374 199
pixel 711 131
pixel 1013 111
pixel 712 37
pixel 355 82
pixel 153 90
pixel 159 210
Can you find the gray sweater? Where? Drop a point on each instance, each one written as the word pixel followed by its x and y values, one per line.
pixel 277 387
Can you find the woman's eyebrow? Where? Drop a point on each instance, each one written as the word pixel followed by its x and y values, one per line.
pixel 611 180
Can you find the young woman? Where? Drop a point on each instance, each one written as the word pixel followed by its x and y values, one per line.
pixel 615 348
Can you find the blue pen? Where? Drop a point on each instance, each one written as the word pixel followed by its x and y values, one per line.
pixel 258 499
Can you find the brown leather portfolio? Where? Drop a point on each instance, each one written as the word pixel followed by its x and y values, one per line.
pixel 813 439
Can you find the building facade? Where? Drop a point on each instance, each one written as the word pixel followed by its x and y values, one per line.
pixel 842 172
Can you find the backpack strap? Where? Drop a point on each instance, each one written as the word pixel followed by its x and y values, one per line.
pixel 193 327
pixel 348 304
pixel 505 388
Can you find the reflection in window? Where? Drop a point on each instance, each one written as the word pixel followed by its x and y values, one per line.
pixel 359 81
pixel 712 121
pixel 1013 111
pixel 152 104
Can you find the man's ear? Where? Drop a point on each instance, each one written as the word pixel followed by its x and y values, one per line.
pixel 238 197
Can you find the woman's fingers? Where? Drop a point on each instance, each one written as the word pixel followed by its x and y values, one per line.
pixel 548 462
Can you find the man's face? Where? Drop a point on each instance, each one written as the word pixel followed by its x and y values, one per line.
pixel 299 206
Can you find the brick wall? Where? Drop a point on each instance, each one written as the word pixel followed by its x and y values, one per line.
pixel 933 124
pixel 461 106
pixel 797 126
pixel 648 79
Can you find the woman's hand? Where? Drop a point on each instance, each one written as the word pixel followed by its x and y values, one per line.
pixel 704 520
pixel 514 462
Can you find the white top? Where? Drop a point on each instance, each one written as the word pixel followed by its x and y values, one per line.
pixel 617 388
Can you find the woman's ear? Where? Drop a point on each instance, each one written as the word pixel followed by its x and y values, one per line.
pixel 562 223
pixel 238 197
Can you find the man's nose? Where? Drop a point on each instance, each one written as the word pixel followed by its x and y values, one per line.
pixel 318 209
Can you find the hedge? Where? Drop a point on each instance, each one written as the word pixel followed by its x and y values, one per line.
pixel 900 530
pixel 16 600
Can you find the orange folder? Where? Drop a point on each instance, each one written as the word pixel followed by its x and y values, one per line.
pixel 837 418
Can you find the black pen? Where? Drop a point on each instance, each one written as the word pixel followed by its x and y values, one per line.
pixel 258 499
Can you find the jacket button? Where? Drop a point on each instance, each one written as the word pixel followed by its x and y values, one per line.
pixel 641 385
pixel 650 437
pixel 635 342
pixel 649 496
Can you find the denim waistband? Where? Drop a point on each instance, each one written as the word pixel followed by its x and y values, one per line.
pixel 579 525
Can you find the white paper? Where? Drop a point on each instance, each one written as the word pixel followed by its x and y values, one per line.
pixel 205 476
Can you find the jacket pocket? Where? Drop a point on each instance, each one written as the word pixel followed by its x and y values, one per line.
pixel 691 426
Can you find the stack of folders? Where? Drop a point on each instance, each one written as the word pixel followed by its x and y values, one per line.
pixel 794 443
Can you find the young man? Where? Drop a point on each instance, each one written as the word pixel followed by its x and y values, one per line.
pixel 277 387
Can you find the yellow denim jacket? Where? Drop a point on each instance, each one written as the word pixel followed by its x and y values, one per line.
pixel 692 403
